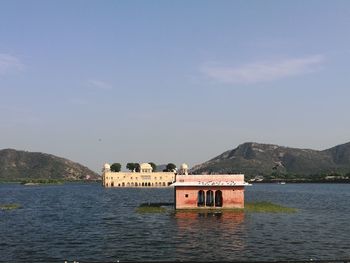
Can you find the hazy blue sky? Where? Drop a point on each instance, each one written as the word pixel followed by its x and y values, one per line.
pixel 180 81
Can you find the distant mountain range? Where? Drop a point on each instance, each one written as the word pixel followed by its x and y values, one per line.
pixel 16 165
pixel 254 159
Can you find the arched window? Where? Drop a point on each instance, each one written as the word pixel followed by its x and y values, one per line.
pixel 209 200
pixel 128 184
pixel 123 184
pixel 112 184
pixel 218 198
pixel 132 184
pixel 156 183
pixel 136 184
pixel 200 198
pixel 149 184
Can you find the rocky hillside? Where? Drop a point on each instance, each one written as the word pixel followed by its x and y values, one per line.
pixel 264 159
pixel 16 165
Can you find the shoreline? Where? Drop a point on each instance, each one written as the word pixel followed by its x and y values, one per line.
pixel 301 181
pixel 45 181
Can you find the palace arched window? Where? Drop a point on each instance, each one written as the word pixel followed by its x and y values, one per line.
pixel 209 200
pixel 200 198
pixel 218 198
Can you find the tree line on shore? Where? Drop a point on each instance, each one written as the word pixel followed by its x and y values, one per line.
pixel 317 176
pixel 135 167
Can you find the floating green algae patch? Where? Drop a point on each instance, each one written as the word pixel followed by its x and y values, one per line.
pixel 254 207
pixel 153 207
pixel 150 209
pixel 9 206
pixel 268 207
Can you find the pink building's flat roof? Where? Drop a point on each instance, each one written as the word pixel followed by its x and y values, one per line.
pixel 210 183
pixel 210 180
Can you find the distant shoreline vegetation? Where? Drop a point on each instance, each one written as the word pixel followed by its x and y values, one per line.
pixel 44 181
pixel 302 181
pixel 292 178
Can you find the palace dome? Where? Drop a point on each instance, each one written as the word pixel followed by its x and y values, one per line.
pixel 145 166
pixel 184 166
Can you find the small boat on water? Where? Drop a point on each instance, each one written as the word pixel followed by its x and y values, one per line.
pixel 31 184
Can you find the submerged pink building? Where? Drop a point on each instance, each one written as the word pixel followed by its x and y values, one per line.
pixel 209 191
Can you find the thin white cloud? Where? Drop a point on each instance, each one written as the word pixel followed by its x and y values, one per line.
pixel 9 64
pixel 97 84
pixel 258 72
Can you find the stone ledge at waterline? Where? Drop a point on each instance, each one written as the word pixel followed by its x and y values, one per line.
pixel 22 166
pixel 253 207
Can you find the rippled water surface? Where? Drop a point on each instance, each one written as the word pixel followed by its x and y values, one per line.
pixel 86 222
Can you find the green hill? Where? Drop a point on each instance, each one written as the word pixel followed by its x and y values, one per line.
pixel 254 159
pixel 17 165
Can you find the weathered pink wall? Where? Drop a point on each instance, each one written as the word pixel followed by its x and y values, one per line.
pixel 233 196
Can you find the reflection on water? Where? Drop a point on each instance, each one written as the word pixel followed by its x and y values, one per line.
pixel 204 232
pixel 86 222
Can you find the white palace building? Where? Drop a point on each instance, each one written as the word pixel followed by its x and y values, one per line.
pixel 145 178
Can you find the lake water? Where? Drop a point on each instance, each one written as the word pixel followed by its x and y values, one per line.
pixel 86 222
